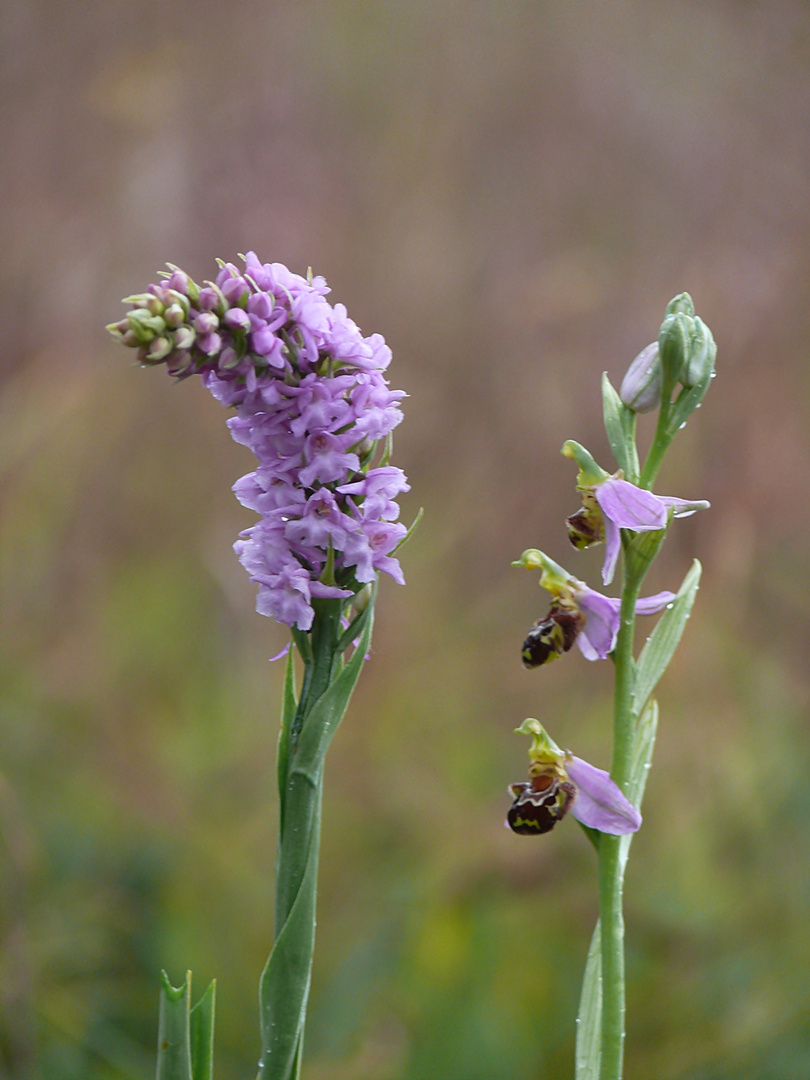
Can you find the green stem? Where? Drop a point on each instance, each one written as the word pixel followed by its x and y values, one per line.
pixel 299 833
pixel 611 870
pixel 297 862
pixel 660 444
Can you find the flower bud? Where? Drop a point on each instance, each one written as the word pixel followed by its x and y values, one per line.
pixel 159 350
pixel 699 364
pixel 205 323
pixel 641 386
pixel 682 303
pixel 174 315
pixel 184 337
pixel 180 364
pixel 147 327
pixel 674 346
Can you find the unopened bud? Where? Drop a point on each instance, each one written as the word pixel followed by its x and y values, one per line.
pixel 147 327
pixel 174 316
pixel 641 386
pixel 700 362
pixel 184 337
pixel 205 323
pixel 159 350
pixel 681 304
pixel 674 346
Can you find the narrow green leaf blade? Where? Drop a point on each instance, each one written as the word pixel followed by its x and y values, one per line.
pixel 288 707
pixel 663 641
pixel 327 712
pixel 201 1024
pixel 643 746
pixel 588 1052
pixel 174 1041
pixel 620 425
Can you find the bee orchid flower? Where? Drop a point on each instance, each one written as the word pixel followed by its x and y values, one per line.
pixel 577 614
pixel 558 783
pixel 611 503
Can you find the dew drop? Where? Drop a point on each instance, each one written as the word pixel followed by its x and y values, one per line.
pixel 682 426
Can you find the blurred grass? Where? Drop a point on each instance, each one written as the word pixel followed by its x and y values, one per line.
pixel 510 193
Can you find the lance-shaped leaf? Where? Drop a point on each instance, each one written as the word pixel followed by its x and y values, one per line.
pixel 620 425
pixel 201 1029
pixel 662 642
pixel 174 1040
pixel 288 707
pixel 588 1051
pixel 643 746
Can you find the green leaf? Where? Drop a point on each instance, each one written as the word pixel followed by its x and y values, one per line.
pixel 662 642
pixel 201 1024
pixel 620 425
pixel 174 1041
pixel 588 1052
pixel 288 709
pixel 640 762
pixel 411 529
pixel 323 718
pixel 355 628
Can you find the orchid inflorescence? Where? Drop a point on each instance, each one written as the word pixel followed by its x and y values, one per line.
pixel 610 504
pixel 620 510
pixel 312 403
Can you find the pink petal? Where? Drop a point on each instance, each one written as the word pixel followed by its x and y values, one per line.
pixel 613 545
pixel 600 803
pixel 648 605
pixel 598 636
pixel 683 507
pixel 630 507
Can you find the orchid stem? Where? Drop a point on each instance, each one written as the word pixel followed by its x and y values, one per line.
pixel 611 867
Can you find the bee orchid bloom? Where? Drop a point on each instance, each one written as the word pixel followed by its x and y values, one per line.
pixel 559 783
pixel 625 506
pixel 611 503
pixel 578 614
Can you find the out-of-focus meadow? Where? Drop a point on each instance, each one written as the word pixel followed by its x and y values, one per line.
pixel 510 192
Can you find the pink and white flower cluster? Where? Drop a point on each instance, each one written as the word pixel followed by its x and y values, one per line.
pixel 311 401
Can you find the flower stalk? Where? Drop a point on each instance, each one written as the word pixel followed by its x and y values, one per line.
pixel 311 401
pixel 619 510
pixel 308 725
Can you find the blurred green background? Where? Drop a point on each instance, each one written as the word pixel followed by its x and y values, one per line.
pixel 510 192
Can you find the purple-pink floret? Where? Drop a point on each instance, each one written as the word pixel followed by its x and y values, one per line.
pixel 310 401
